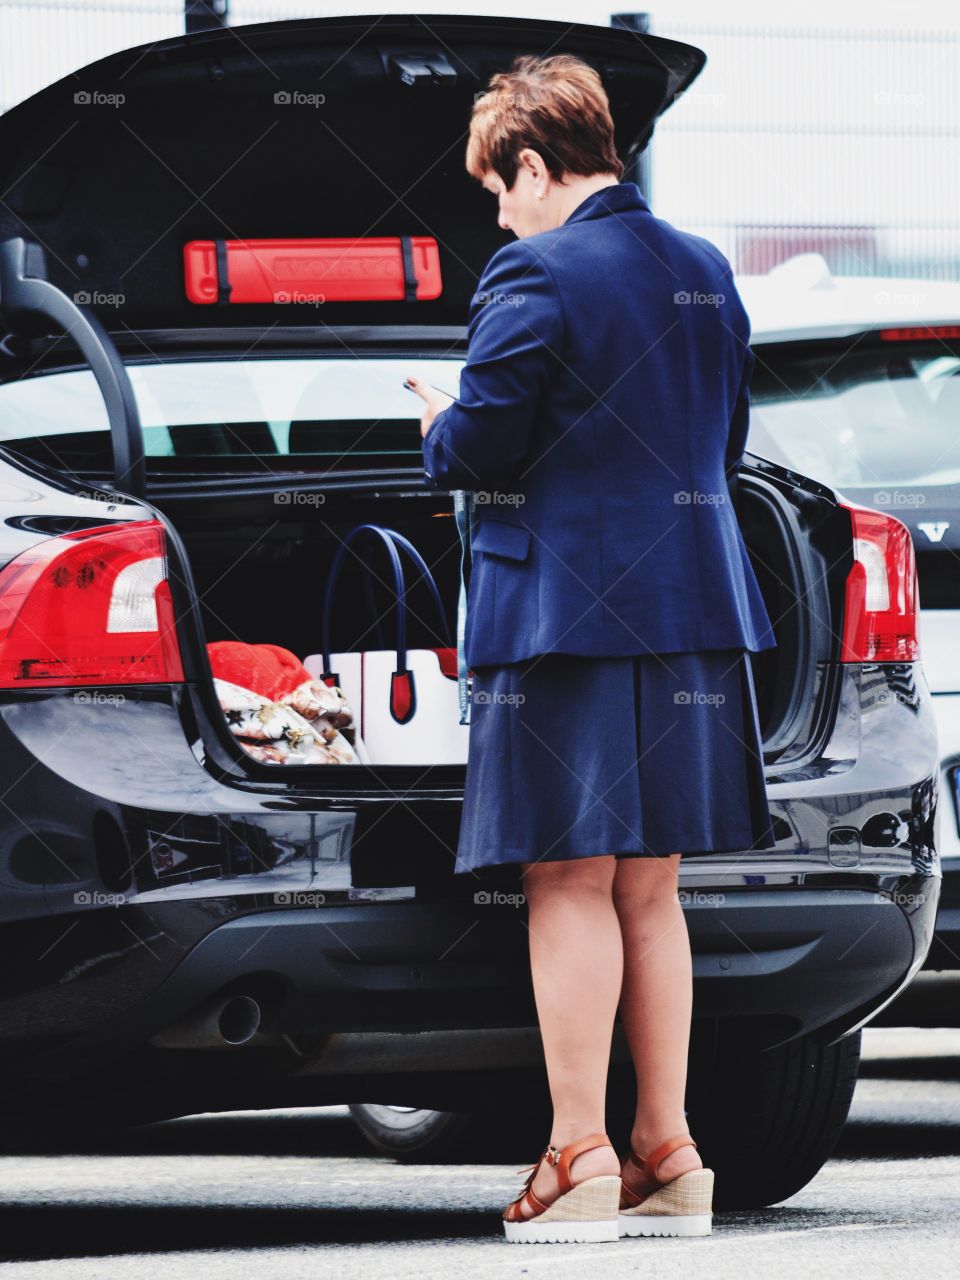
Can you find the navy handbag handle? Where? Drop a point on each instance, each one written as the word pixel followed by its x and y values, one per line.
pixel 403 697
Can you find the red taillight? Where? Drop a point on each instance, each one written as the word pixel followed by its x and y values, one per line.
pixel 882 596
pixel 910 332
pixel 92 607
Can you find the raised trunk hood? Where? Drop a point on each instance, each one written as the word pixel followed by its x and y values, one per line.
pixel 198 148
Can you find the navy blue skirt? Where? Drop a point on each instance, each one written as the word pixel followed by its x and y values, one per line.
pixel 575 756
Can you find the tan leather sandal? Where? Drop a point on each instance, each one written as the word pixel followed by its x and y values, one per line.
pixel 681 1207
pixel 584 1212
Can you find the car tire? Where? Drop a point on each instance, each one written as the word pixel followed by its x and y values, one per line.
pixel 414 1135
pixel 418 1135
pixel 767 1120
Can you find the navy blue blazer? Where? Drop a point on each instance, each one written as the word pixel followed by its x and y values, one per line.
pixel 603 402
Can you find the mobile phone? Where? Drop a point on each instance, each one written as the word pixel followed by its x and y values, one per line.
pixel 407 387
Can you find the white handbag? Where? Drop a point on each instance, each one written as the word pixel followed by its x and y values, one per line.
pixel 406 701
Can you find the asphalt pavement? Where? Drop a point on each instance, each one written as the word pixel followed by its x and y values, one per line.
pixel 298 1194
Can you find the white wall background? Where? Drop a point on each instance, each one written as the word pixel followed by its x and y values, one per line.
pixel 837 130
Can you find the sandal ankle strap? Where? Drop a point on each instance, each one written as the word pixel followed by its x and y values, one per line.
pixel 651 1163
pixel 563 1158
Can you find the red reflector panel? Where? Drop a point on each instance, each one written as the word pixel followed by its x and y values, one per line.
pixel 342 269
pixel 882 594
pixel 92 607
pixel 921 331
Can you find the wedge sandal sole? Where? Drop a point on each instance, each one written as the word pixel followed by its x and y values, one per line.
pixel 585 1215
pixel 683 1207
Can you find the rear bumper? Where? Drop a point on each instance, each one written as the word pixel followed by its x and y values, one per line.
pixel 793 961
pixel 137 883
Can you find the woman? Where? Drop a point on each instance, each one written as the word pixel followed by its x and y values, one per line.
pixel 603 406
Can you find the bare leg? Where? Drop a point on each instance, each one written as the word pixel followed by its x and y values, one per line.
pixel 576 960
pixel 656 1005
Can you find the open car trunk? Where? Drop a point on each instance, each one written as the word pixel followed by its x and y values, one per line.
pixel 260 568
pixel 243 121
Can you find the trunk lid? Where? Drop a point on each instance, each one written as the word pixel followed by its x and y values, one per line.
pixel 345 126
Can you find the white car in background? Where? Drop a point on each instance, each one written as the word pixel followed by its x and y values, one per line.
pixel 857 383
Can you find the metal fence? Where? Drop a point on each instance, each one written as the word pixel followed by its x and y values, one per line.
pixel 800 138
pixel 793 138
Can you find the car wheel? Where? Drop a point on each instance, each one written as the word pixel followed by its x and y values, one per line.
pixel 766 1121
pixel 414 1135
pixel 417 1135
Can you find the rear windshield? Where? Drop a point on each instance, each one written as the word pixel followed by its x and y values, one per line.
pixel 861 413
pixel 239 414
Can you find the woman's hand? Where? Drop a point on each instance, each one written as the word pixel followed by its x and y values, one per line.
pixel 436 401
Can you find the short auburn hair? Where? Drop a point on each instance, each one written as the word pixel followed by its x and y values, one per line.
pixel 555 105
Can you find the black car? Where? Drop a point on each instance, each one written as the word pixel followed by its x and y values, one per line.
pixel 858 383
pixel 188 928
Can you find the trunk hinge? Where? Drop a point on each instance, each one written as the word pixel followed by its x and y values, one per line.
pixel 26 290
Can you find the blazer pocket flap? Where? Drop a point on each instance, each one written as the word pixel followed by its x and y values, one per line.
pixel 502 539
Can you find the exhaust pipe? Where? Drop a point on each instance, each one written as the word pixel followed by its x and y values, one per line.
pixel 225 1021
